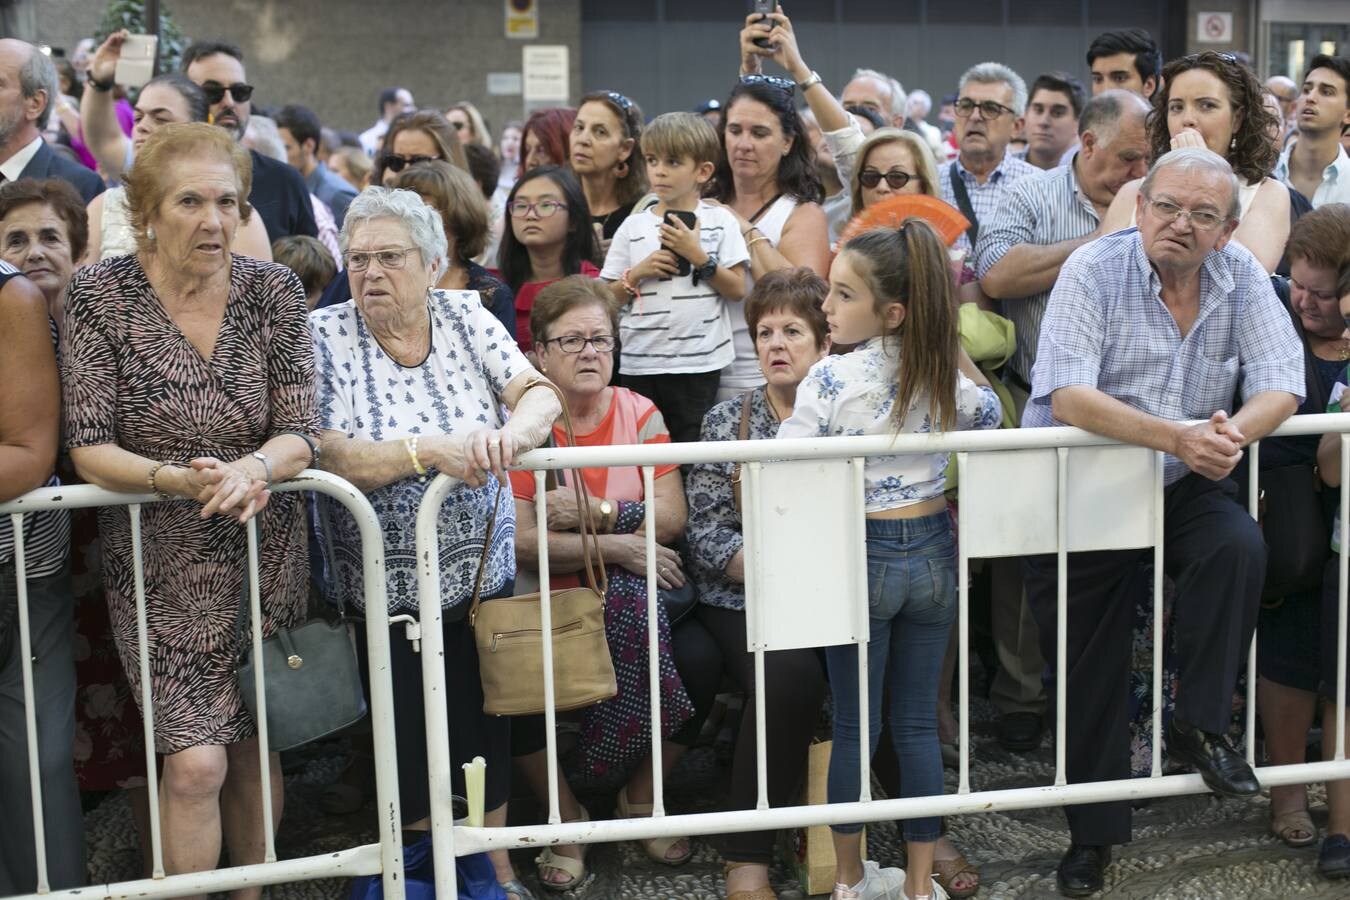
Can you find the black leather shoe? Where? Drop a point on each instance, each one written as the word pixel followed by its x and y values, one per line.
pixel 1019 732
pixel 1223 768
pixel 1081 870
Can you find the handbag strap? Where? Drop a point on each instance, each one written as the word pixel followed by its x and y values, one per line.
pixel 585 525
pixel 963 201
pixel 742 434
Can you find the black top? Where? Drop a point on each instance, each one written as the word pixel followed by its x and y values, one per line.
pixel 281 198
pixel 610 222
pixel 47 163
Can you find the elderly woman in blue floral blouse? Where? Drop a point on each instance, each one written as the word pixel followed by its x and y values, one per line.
pixel 411 382
pixel 789 332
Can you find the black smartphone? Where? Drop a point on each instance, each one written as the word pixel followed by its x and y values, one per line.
pixel 763 7
pixel 689 220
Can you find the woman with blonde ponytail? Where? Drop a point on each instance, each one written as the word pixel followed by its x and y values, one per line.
pixel 891 295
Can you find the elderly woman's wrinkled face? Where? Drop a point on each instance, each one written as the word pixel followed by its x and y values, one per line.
pixel 1312 294
pixel 36 241
pixel 786 347
pixel 196 222
pixel 587 370
pixel 382 285
pixel 756 144
pixel 597 143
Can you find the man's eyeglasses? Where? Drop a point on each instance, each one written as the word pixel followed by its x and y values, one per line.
pixel 575 343
pixel 519 209
pixel 215 91
pixel 359 260
pixel 988 108
pixel 1200 219
pixel 395 163
pixel 783 84
pixel 896 179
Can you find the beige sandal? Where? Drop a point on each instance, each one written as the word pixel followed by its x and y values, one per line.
pixel 656 848
pixel 1285 825
pixel 764 893
pixel 574 868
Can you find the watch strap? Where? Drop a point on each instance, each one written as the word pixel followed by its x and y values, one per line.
pixel 811 81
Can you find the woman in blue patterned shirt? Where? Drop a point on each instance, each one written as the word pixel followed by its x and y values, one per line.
pixel 891 295
pixel 411 381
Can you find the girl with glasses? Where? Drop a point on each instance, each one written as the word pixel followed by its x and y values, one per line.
pixel 549 237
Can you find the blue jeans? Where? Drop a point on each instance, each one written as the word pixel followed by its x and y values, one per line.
pixel 911 581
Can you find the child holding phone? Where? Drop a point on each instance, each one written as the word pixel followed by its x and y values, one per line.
pixel 674 267
pixel 891 294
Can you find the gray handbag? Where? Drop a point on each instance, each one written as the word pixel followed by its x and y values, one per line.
pixel 313 681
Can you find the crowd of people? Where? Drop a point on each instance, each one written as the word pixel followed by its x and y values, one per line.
pixel 198 301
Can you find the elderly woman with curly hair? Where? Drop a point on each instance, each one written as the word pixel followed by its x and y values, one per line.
pixel 1210 100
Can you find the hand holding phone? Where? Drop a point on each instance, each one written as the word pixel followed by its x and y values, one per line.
pixel 763 8
pixel 680 242
pixel 136 64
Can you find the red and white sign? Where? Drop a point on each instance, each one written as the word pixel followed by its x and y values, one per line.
pixel 1214 27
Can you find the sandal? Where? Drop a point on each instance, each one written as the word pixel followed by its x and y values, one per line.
pixel 515 888
pixel 764 893
pixel 1287 825
pixel 657 848
pixel 574 868
pixel 946 871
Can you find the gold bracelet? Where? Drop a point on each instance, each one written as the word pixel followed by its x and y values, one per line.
pixel 150 479
pixel 754 241
pixel 410 444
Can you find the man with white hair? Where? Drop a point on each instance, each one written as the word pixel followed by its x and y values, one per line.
pixel 919 105
pixel 991 101
pixel 1149 329
pixel 28 92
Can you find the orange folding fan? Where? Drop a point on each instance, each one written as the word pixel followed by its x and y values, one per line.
pixel 891 213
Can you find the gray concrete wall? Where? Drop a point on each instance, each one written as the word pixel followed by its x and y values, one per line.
pixel 336 55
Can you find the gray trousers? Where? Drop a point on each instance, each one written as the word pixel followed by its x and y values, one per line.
pixel 52 621
pixel 1017 686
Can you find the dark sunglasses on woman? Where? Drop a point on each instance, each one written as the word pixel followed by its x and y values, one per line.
pixel 870 178
pixel 395 163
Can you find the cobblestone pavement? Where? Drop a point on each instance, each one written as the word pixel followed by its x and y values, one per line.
pixel 1187 847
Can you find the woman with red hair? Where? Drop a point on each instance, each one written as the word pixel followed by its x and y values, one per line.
pixel 543 140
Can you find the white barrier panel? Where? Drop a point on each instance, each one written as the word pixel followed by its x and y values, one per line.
pixel 384 858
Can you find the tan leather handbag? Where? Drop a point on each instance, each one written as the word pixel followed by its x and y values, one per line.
pixel 509 634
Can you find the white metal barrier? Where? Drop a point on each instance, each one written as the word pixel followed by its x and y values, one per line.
pixel 384 857
pixel 1016 497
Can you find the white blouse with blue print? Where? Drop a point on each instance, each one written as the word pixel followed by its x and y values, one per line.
pixel 365 394
pixel 853 394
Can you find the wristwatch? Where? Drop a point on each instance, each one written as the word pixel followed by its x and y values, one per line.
pixel 812 80
pixel 607 512
pixel 97 85
pixel 707 270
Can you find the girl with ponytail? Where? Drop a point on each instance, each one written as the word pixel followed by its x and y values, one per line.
pixel 891 294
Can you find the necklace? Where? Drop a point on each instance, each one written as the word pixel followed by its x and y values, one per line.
pixel 773 407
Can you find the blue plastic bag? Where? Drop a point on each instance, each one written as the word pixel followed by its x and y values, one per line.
pixel 477 878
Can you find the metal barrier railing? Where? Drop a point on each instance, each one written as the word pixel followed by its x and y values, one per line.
pixel 1029 469
pixel 383 858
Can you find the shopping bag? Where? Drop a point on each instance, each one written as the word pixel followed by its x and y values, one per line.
pixel 809 852
pixel 477 879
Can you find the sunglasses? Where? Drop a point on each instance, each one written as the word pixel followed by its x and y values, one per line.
pixel 895 179
pixel 783 84
pixel 395 163
pixel 619 100
pixel 215 91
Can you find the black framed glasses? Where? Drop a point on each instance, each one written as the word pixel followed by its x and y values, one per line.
pixel 783 84
pixel 519 209
pixel 389 258
pixel 575 343
pixel 989 109
pixel 895 178
pixel 215 91
pixel 1169 212
pixel 396 163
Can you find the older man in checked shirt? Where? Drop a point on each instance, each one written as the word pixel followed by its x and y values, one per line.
pixel 1147 329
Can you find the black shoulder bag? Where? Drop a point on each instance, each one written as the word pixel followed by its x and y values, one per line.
pixel 963 201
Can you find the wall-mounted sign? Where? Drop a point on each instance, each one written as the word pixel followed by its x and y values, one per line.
pixel 545 73
pixel 1214 27
pixel 522 19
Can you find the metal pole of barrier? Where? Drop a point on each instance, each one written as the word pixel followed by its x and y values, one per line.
pixel 147 702
pixel 1253 507
pixel 864 703
pixel 749 495
pixel 962 627
pixel 254 575
pixel 546 620
pixel 1159 470
pixel 1061 613
pixel 29 703
pixel 1341 596
pixel 653 646
pixel 433 683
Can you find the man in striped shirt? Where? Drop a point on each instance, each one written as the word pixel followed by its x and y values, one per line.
pixel 1041 221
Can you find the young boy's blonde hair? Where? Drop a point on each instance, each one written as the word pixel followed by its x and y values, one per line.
pixel 680 135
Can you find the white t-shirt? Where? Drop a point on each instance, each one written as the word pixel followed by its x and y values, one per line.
pixel 675 326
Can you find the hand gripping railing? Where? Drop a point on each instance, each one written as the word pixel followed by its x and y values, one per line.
pixel 383 858
pixel 1046 493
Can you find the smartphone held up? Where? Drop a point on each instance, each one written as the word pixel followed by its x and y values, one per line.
pixel 763 8
pixel 136 63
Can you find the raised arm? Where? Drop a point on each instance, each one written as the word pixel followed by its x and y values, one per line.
pixel 98 109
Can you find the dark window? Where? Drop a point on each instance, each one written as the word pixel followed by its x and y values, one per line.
pixel 856 11
pixel 618 10
pixel 1045 12
pixel 966 12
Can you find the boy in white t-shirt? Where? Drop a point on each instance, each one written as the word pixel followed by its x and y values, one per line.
pixel 675 328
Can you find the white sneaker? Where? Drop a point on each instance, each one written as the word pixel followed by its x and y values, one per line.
pixel 877 884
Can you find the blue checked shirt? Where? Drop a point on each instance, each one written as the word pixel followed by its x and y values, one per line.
pixel 984 198
pixel 1046 208
pixel 1106 327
